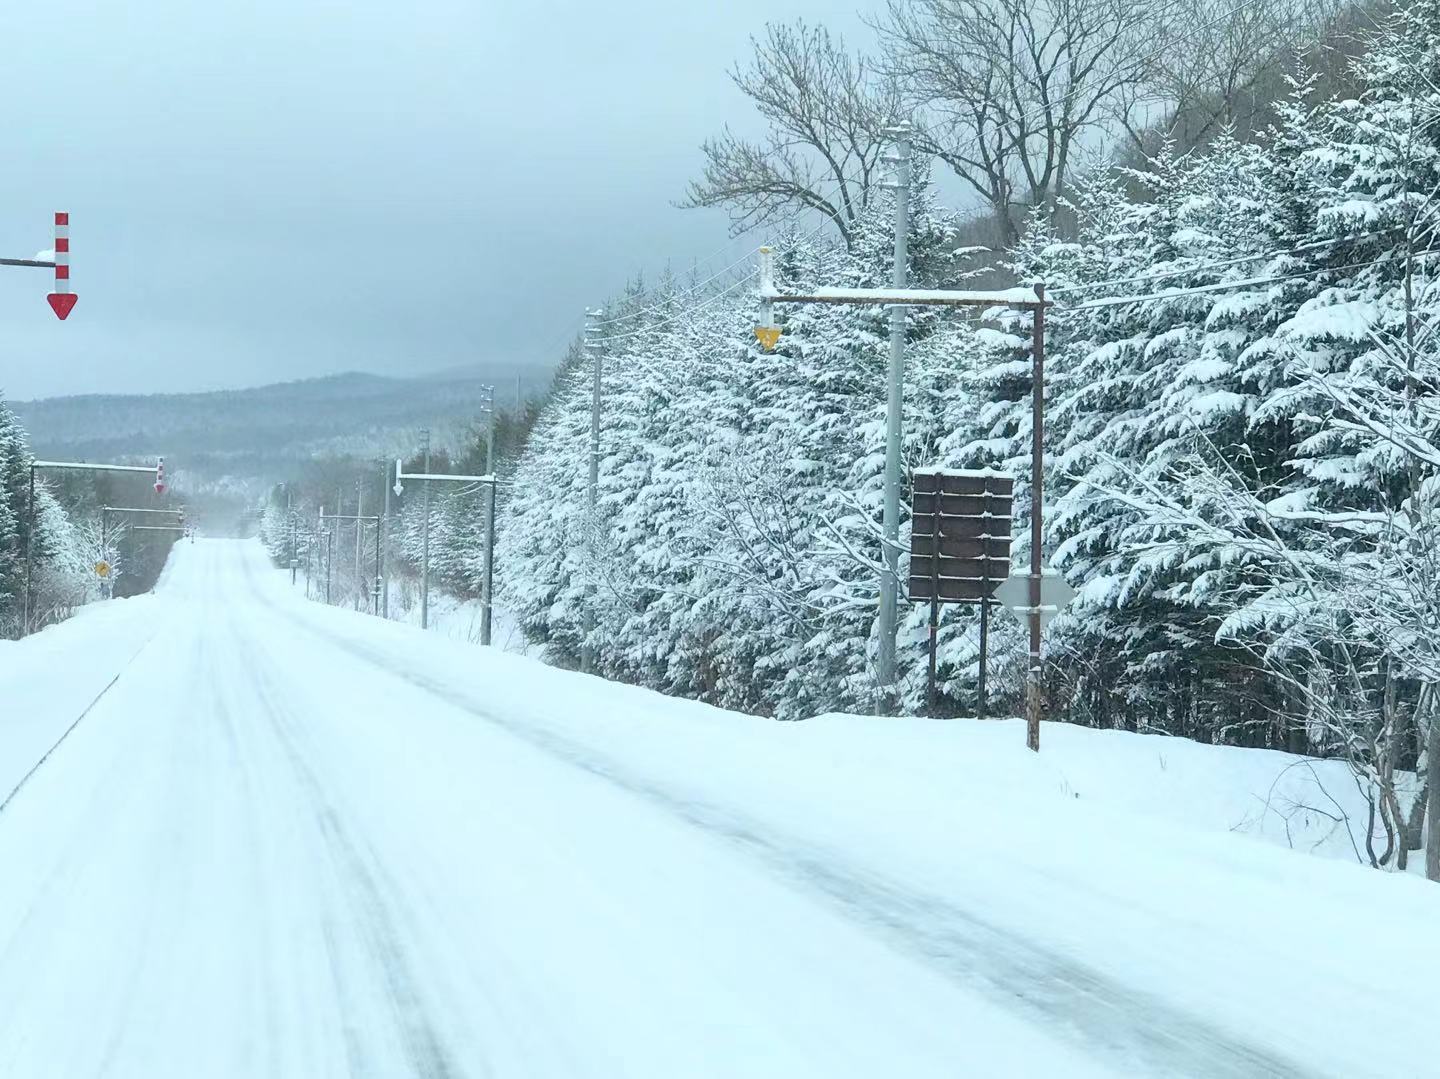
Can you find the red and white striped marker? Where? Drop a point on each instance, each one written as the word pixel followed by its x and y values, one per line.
pixel 62 300
pixel 159 472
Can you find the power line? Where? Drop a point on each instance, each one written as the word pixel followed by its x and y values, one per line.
pixel 676 316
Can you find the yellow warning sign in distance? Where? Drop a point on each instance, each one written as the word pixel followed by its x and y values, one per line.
pixel 102 569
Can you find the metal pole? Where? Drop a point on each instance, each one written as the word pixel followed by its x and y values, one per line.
pixel 329 560
pixel 490 431
pixel 889 581
pixel 379 521
pixel 29 555
pixel 104 547
pixel 359 538
pixel 1037 528
pixel 984 650
pixel 489 589
pixel 485 597
pixel 290 514
pixel 425 542
pixel 931 696
pixel 384 528
pixel 592 345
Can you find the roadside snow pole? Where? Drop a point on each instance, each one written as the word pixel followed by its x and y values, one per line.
pixel 62 300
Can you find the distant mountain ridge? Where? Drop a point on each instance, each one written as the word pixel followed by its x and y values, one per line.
pixel 260 433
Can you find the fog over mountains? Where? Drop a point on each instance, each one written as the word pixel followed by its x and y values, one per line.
pixel 244 439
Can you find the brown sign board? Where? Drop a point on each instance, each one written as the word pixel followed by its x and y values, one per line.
pixel 963 483
pixel 927 524
pixel 922 545
pixel 962 505
pixel 959 534
pixel 996 569
pixel 952 589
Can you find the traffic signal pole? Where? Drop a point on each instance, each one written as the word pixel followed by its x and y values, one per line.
pixel 74 466
pixel 488 578
pixel 1023 299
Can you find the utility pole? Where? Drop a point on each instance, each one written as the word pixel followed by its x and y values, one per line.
pixel 359 536
pixel 592 524
pixel 425 540
pixel 29 556
pixel 894 405
pixel 486 599
pixel 290 517
pixel 488 585
pixel 379 566
pixel 329 556
pixel 1037 515
pixel 384 528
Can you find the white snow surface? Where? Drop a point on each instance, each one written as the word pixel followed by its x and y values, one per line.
pixel 292 840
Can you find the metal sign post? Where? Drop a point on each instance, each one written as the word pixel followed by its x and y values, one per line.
pixel 73 466
pixel 959 549
pixel 1021 299
pixel 106 511
pixel 360 522
pixel 489 573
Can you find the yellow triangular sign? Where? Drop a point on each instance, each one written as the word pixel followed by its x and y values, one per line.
pixel 767 336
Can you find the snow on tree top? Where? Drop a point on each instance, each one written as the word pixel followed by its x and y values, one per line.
pixel 973 473
pixel 1010 297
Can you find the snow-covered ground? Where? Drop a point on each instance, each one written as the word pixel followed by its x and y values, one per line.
pixel 293 840
pixel 458 619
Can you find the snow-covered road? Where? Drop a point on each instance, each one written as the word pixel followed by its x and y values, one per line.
pixel 287 840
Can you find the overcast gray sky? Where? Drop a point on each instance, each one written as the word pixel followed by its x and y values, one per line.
pixel 274 189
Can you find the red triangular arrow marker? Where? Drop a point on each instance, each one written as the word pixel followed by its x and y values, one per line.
pixel 62 303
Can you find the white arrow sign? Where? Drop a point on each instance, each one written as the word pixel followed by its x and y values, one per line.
pixel 1014 592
